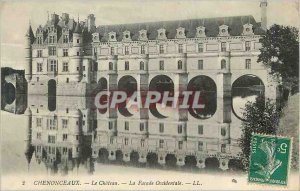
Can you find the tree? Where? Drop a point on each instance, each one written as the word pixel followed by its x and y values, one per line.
pixel 260 116
pixel 280 53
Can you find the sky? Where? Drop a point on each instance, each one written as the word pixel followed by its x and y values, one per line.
pixel 15 15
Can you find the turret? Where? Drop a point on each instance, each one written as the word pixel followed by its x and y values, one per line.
pixel 76 53
pixel 29 38
pixel 263 9
pixel 29 149
pixel 91 23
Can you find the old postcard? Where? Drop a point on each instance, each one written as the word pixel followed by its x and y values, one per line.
pixel 149 95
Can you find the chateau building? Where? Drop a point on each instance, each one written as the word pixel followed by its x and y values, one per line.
pixel 77 59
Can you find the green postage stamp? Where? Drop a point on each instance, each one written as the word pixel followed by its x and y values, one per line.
pixel 269 159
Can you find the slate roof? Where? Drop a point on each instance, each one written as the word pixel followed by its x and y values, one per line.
pixel 211 25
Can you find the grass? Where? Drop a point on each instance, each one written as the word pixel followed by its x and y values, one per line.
pixel 289 127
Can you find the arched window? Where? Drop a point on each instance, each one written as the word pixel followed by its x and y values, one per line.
pixel 142 65
pixel 223 64
pixel 179 65
pixel 110 66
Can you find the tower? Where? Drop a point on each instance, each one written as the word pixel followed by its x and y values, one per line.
pixel 263 9
pixel 76 65
pixel 29 38
pixel 91 23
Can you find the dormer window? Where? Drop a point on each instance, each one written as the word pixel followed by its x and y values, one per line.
pixel 143 35
pixel 65 38
pixel 200 32
pixel 95 37
pixel 223 30
pixel 248 30
pixel 112 36
pixel 126 35
pixel 161 34
pixel 180 33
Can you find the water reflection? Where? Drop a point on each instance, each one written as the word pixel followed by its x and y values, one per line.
pixel 77 134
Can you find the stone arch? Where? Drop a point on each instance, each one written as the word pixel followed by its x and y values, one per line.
pixel 190 162
pixel 9 93
pixel 208 96
pixel 52 95
pixel 212 163
pixel 128 84
pixel 171 161
pixel 152 159
pixel 245 88
pixel 236 165
pixel 134 158
pixel 160 83
pixel 103 155
pixel 119 156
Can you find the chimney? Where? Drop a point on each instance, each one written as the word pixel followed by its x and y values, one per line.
pixel 263 9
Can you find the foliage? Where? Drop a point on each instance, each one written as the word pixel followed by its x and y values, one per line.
pixel 260 116
pixel 280 53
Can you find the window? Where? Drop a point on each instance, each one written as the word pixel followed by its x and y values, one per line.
pixel 65 150
pixel 179 65
pixel 83 68
pixel 126 65
pixel 223 131
pixel 142 65
pixel 248 64
pixel 77 137
pixel 112 51
pixel 110 66
pixel 142 49
pixel 142 142
pixel 65 67
pixel 161 143
pixel 126 50
pixel 78 41
pixel 200 47
pixel 161 49
pixel 126 125
pixel 67 80
pixel 39 67
pixel 111 140
pixel 223 64
pixel 110 125
pixel 65 52
pixel 65 38
pixel 161 65
pixel 78 53
pixel 52 65
pixel 180 143
pixel 38 122
pixel 52 51
pixel 51 39
pixel 179 128
pixel 126 141
pixel 200 146
pixel 64 123
pixel 37 79
pixel 180 48
pixel 200 129
pixel 223 47
pixel 65 137
pixel 142 127
pixel 39 40
pixel 247 45
pixel 200 64
pixel 52 124
pixel 161 127
pixel 51 139
pixel 39 53
pixel 39 135
pixel 223 148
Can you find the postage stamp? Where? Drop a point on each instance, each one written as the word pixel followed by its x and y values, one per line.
pixel 269 159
